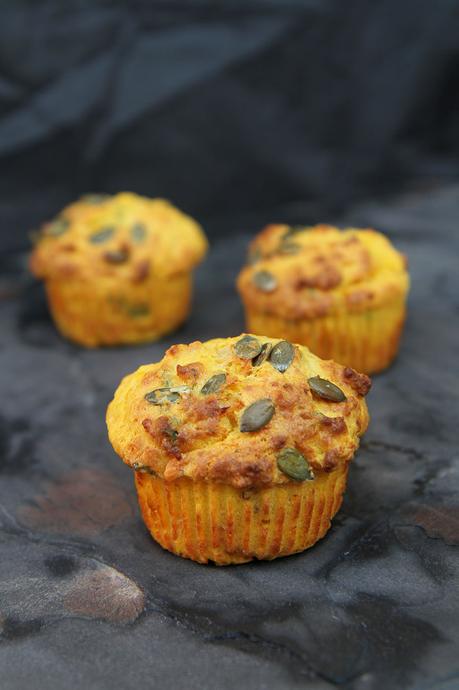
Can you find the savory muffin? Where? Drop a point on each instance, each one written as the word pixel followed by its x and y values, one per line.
pixel 117 269
pixel 341 293
pixel 240 446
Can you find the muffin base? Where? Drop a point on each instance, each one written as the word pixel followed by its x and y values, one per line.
pixel 216 522
pixel 366 341
pixel 93 315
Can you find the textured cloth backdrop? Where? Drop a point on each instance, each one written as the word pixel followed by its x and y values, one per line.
pixel 244 106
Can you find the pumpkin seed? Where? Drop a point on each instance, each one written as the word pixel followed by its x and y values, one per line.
pixel 294 465
pixel 265 281
pixel 171 431
pixel 180 389
pixel 293 230
pixel 138 467
pixel 253 256
pixel 160 396
pixel 138 232
pixel 116 256
pixel 289 248
pixel 257 415
pixel 282 355
pixel 247 347
pixel 130 308
pixel 95 199
pixel 57 227
pixel 101 235
pixel 213 384
pixel 263 356
pixel 326 389
pixel 137 310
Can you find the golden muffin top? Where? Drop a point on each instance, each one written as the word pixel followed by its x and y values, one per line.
pixel 247 411
pixel 308 272
pixel 121 236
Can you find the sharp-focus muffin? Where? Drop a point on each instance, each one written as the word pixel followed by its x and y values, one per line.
pixel 240 446
pixel 118 269
pixel 340 292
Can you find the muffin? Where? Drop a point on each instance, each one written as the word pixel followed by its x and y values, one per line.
pixel 240 446
pixel 118 269
pixel 340 292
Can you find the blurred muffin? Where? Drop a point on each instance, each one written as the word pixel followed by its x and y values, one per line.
pixel 341 293
pixel 117 269
pixel 240 446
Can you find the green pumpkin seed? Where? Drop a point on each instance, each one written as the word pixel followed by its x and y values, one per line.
pixel 144 469
pixel 289 248
pixel 263 356
pixel 282 355
pixel 94 199
pixel 294 465
pixel 116 256
pixel 131 309
pixel 257 415
pixel 172 433
pixel 326 389
pixel 213 384
pixel 57 227
pixel 138 232
pixel 292 231
pixel 247 347
pixel 160 396
pixel 254 255
pixel 101 235
pixel 265 281
pixel 137 310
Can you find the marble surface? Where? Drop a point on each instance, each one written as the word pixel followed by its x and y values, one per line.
pixel 89 600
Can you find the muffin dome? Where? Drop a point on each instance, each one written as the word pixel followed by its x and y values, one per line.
pixel 247 412
pixel 340 292
pixel 121 237
pixel 306 272
pixel 118 269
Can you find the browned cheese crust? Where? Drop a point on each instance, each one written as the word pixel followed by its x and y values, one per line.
pixel 124 238
pixel 320 270
pixel 162 421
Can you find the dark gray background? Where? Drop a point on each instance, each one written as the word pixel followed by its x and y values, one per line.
pixel 270 107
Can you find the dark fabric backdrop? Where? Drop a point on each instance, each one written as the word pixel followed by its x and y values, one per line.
pixel 226 108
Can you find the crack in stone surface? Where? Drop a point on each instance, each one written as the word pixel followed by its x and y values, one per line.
pixel 393 448
pixel 250 641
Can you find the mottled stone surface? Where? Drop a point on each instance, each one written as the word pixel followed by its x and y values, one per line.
pixel 88 600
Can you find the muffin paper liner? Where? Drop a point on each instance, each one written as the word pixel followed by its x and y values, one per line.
pixel 215 522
